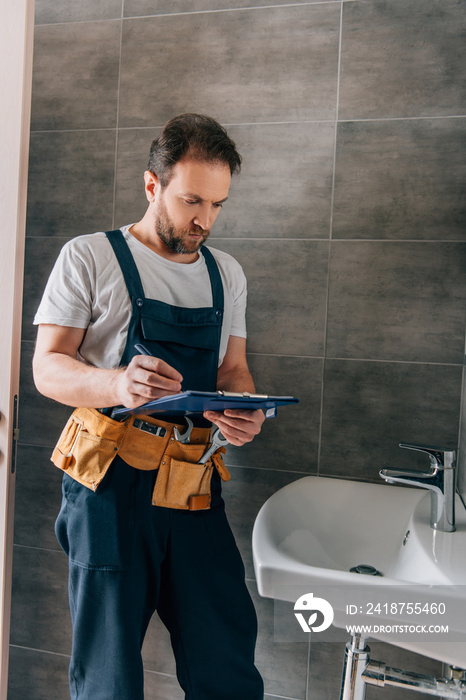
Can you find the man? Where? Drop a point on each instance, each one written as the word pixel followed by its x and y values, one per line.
pixel 137 538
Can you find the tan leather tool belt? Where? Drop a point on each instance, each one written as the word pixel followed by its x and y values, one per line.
pixel 90 442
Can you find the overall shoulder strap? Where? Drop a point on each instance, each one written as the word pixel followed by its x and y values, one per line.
pixel 127 264
pixel 215 279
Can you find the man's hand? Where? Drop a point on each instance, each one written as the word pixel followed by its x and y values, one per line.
pixel 145 379
pixel 59 375
pixel 239 426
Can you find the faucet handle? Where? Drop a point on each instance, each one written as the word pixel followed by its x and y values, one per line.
pixel 440 457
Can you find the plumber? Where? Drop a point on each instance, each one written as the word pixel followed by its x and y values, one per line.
pixel 142 522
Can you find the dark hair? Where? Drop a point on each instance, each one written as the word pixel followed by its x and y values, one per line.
pixel 194 135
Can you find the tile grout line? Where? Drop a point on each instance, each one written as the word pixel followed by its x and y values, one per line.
pixel 266 123
pixel 38 549
pixel 115 170
pixel 146 670
pixel 460 425
pixel 36 445
pixel 278 697
pixel 399 119
pixel 337 107
pixel 299 240
pixel 329 251
pixel 308 669
pixel 338 359
pixel 39 651
pixel 195 12
pixel 239 9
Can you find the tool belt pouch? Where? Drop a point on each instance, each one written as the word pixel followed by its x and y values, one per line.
pixel 143 450
pixel 182 485
pixel 87 447
pixel 186 485
pixel 90 441
pixel 182 482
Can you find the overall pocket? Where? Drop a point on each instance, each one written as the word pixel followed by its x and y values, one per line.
pixel 96 529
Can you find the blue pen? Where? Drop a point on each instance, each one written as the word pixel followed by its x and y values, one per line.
pixel 141 349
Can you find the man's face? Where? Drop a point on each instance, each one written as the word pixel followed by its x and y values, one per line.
pixel 188 206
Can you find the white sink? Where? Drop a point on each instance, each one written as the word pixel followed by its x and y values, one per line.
pixel 311 533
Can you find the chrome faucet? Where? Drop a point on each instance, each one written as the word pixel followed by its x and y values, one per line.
pixel 439 480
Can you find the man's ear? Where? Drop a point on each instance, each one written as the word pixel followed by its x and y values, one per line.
pixel 152 185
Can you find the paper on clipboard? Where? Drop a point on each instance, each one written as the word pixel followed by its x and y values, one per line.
pixel 199 401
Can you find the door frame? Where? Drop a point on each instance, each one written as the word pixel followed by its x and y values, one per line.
pixel 16 50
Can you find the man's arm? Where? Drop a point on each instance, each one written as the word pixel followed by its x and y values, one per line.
pixel 237 425
pixel 59 375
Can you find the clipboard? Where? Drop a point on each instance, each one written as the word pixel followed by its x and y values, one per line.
pixel 199 401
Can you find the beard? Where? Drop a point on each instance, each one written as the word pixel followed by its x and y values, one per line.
pixel 176 239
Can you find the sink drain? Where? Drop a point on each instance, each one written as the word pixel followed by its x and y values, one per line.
pixel 366 569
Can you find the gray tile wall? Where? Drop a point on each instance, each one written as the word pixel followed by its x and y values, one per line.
pixel 348 218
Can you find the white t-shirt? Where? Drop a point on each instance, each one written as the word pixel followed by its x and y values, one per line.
pixel 86 289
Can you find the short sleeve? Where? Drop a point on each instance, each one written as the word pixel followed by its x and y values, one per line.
pixel 67 299
pixel 238 320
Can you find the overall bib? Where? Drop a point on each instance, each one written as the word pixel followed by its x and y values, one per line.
pixel 129 558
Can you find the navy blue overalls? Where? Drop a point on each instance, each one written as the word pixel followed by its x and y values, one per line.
pixel 129 558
